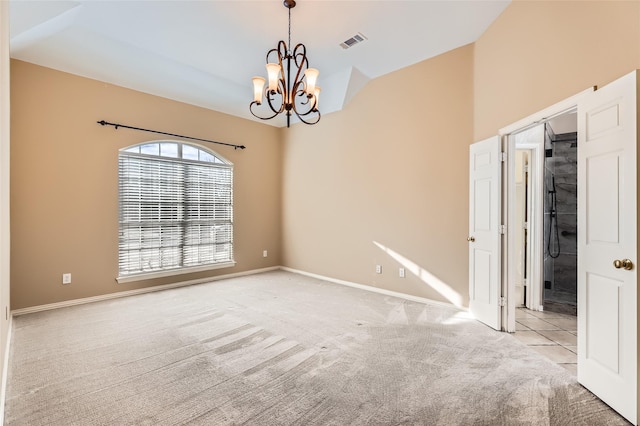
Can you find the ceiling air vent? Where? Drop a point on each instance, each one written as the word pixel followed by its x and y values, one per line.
pixel 358 38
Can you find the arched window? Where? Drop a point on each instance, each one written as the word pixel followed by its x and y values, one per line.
pixel 175 210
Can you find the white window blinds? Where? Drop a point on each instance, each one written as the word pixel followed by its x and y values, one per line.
pixel 174 212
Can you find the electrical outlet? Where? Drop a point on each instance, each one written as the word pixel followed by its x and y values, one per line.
pixel 264 253
pixel 401 272
pixel 66 278
pixel 378 269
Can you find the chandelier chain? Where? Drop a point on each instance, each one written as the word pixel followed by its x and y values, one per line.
pixel 289 30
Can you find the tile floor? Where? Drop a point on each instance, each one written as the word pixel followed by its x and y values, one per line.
pixel 553 335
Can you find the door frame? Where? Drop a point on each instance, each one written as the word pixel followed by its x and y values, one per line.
pixel 508 187
pixel 535 236
pixel 522 220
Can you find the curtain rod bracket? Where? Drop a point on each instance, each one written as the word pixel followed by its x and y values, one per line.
pixel 116 125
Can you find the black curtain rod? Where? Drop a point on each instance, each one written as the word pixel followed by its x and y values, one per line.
pixel 116 125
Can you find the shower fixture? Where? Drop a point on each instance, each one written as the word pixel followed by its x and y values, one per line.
pixel 553 222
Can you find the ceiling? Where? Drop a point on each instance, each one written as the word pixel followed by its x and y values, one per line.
pixel 205 52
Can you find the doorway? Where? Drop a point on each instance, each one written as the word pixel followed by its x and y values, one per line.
pixel 547 147
pixel 543 209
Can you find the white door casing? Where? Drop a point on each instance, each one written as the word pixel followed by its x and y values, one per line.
pixel 607 231
pixel 485 203
pixel 534 287
pixel 532 138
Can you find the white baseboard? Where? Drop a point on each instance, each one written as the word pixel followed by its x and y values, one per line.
pixel 5 370
pixel 126 293
pixel 405 296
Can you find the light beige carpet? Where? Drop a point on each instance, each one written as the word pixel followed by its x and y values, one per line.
pixel 277 349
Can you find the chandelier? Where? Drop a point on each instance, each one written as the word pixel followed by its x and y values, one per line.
pixel 292 84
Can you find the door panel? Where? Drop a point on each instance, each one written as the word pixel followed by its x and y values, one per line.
pixel 484 232
pixel 603 174
pixel 603 296
pixel 482 277
pixel 607 231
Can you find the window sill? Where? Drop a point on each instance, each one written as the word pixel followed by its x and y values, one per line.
pixel 172 272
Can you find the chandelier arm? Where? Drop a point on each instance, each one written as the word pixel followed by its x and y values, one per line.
pixel 270 99
pixel 302 63
pixel 281 52
pixel 303 54
pixel 269 54
pixel 300 84
pixel 300 117
pixel 304 106
pixel 283 55
pixel 302 103
pixel 257 116
pixel 312 108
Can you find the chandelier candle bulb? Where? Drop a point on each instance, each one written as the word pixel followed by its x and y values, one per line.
pixel 316 97
pixel 273 70
pixel 311 74
pixel 258 87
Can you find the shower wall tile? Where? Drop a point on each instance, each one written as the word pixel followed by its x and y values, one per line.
pixel 565 273
pixel 565 149
pixel 567 197
pixel 548 269
pixel 564 167
pixel 567 233
pixel 565 179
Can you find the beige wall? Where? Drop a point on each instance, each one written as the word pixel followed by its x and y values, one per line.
pixel 391 168
pixel 64 190
pixel 538 53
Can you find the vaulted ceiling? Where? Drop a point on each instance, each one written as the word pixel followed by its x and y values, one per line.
pixel 205 52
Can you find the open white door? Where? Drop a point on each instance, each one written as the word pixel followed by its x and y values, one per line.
pixel 484 231
pixel 607 244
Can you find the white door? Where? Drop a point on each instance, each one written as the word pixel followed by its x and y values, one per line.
pixel 607 234
pixel 484 231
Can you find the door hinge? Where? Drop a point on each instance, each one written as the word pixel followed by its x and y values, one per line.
pixel 526 225
pixel 503 156
pixel 503 229
pixel 502 301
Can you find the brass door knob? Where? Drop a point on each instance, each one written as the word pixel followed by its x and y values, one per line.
pixel 471 239
pixel 625 264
